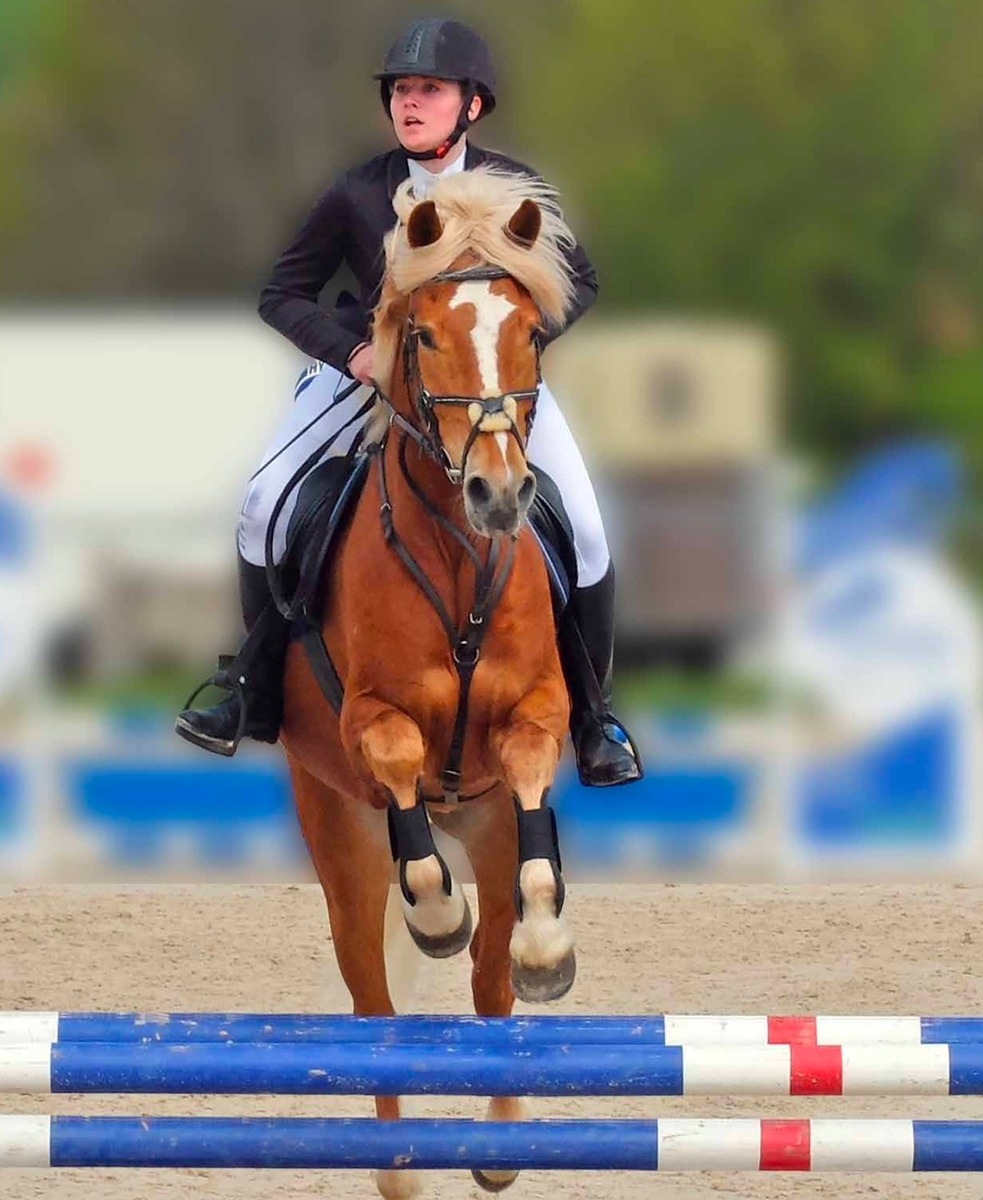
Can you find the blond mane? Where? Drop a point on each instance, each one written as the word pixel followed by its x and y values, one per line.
pixel 474 208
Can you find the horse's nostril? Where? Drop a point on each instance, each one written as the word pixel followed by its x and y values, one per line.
pixel 478 492
pixel 527 491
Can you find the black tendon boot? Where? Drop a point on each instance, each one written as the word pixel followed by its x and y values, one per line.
pixel 605 753
pixel 253 678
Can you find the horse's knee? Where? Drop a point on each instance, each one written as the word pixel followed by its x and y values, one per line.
pixel 529 754
pixel 527 742
pixel 392 745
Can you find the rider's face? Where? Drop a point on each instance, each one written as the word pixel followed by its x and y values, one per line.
pixel 424 111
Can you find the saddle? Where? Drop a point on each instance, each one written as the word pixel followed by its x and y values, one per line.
pixel 325 505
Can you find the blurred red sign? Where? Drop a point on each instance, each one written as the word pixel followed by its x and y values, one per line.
pixel 29 467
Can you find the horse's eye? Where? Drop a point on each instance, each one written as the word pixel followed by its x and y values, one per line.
pixel 426 337
pixel 536 337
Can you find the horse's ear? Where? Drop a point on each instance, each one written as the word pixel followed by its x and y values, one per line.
pixel 424 227
pixel 524 225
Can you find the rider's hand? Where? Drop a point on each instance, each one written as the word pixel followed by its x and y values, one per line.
pixel 362 364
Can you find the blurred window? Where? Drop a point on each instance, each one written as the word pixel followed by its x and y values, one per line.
pixel 674 393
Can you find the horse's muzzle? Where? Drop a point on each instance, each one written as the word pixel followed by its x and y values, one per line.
pixel 493 509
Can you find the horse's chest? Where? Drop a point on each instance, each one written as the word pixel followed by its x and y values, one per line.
pixel 495 688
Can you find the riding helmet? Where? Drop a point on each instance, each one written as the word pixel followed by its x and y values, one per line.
pixel 441 49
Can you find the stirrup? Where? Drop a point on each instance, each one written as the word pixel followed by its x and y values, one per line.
pixel 227 681
pixel 612 731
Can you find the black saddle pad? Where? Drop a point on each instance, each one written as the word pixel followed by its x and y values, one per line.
pixel 325 504
pixel 551 525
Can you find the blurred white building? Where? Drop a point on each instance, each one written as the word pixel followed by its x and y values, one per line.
pixel 680 419
pixel 147 426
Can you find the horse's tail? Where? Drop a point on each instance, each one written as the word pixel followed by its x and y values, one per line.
pixel 403 959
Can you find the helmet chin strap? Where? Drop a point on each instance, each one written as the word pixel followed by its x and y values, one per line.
pixel 464 123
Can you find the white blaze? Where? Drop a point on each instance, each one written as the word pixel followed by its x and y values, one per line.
pixel 490 312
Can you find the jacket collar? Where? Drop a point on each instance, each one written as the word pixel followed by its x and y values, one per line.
pixel 398 167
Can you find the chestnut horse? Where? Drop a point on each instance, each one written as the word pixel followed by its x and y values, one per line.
pixel 438 588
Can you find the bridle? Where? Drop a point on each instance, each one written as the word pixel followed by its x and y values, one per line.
pixel 491 575
pixel 425 402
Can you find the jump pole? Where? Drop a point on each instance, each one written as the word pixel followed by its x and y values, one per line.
pixel 584 1070
pixel 656 1030
pixel 664 1145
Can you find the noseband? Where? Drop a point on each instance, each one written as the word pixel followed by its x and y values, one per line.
pixel 425 402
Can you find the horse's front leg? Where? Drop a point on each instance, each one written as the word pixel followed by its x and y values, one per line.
pixel 347 841
pixel 488 831
pixel 543 961
pixel 434 906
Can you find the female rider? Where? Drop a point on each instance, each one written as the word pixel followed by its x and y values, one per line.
pixel 437 81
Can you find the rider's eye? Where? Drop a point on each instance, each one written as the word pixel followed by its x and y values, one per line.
pixel 426 338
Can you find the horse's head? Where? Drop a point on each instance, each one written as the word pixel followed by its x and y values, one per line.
pixel 472 369
pixel 482 287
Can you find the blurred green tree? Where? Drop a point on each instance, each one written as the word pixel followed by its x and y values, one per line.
pixel 19 21
pixel 166 148
pixel 817 166
pixel 814 165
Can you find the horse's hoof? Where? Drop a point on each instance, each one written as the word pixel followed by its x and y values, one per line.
pixel 540 985
pixel 399 1185
pixel 448 944
pixel 494 1181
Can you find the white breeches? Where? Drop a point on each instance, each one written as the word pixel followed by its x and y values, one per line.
pixel 551 447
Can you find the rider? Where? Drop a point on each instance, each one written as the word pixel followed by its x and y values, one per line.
pixel 437 81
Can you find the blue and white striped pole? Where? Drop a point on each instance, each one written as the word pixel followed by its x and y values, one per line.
pixel 675 1030
pixel 726 1144
pixel 417 1069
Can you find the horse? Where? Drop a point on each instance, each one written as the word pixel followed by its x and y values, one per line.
pixel 438 617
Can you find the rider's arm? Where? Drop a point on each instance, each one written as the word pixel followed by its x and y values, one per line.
pixel 289 301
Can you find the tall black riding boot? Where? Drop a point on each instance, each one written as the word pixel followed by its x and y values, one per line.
pixel 605 752
pixel 253 678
